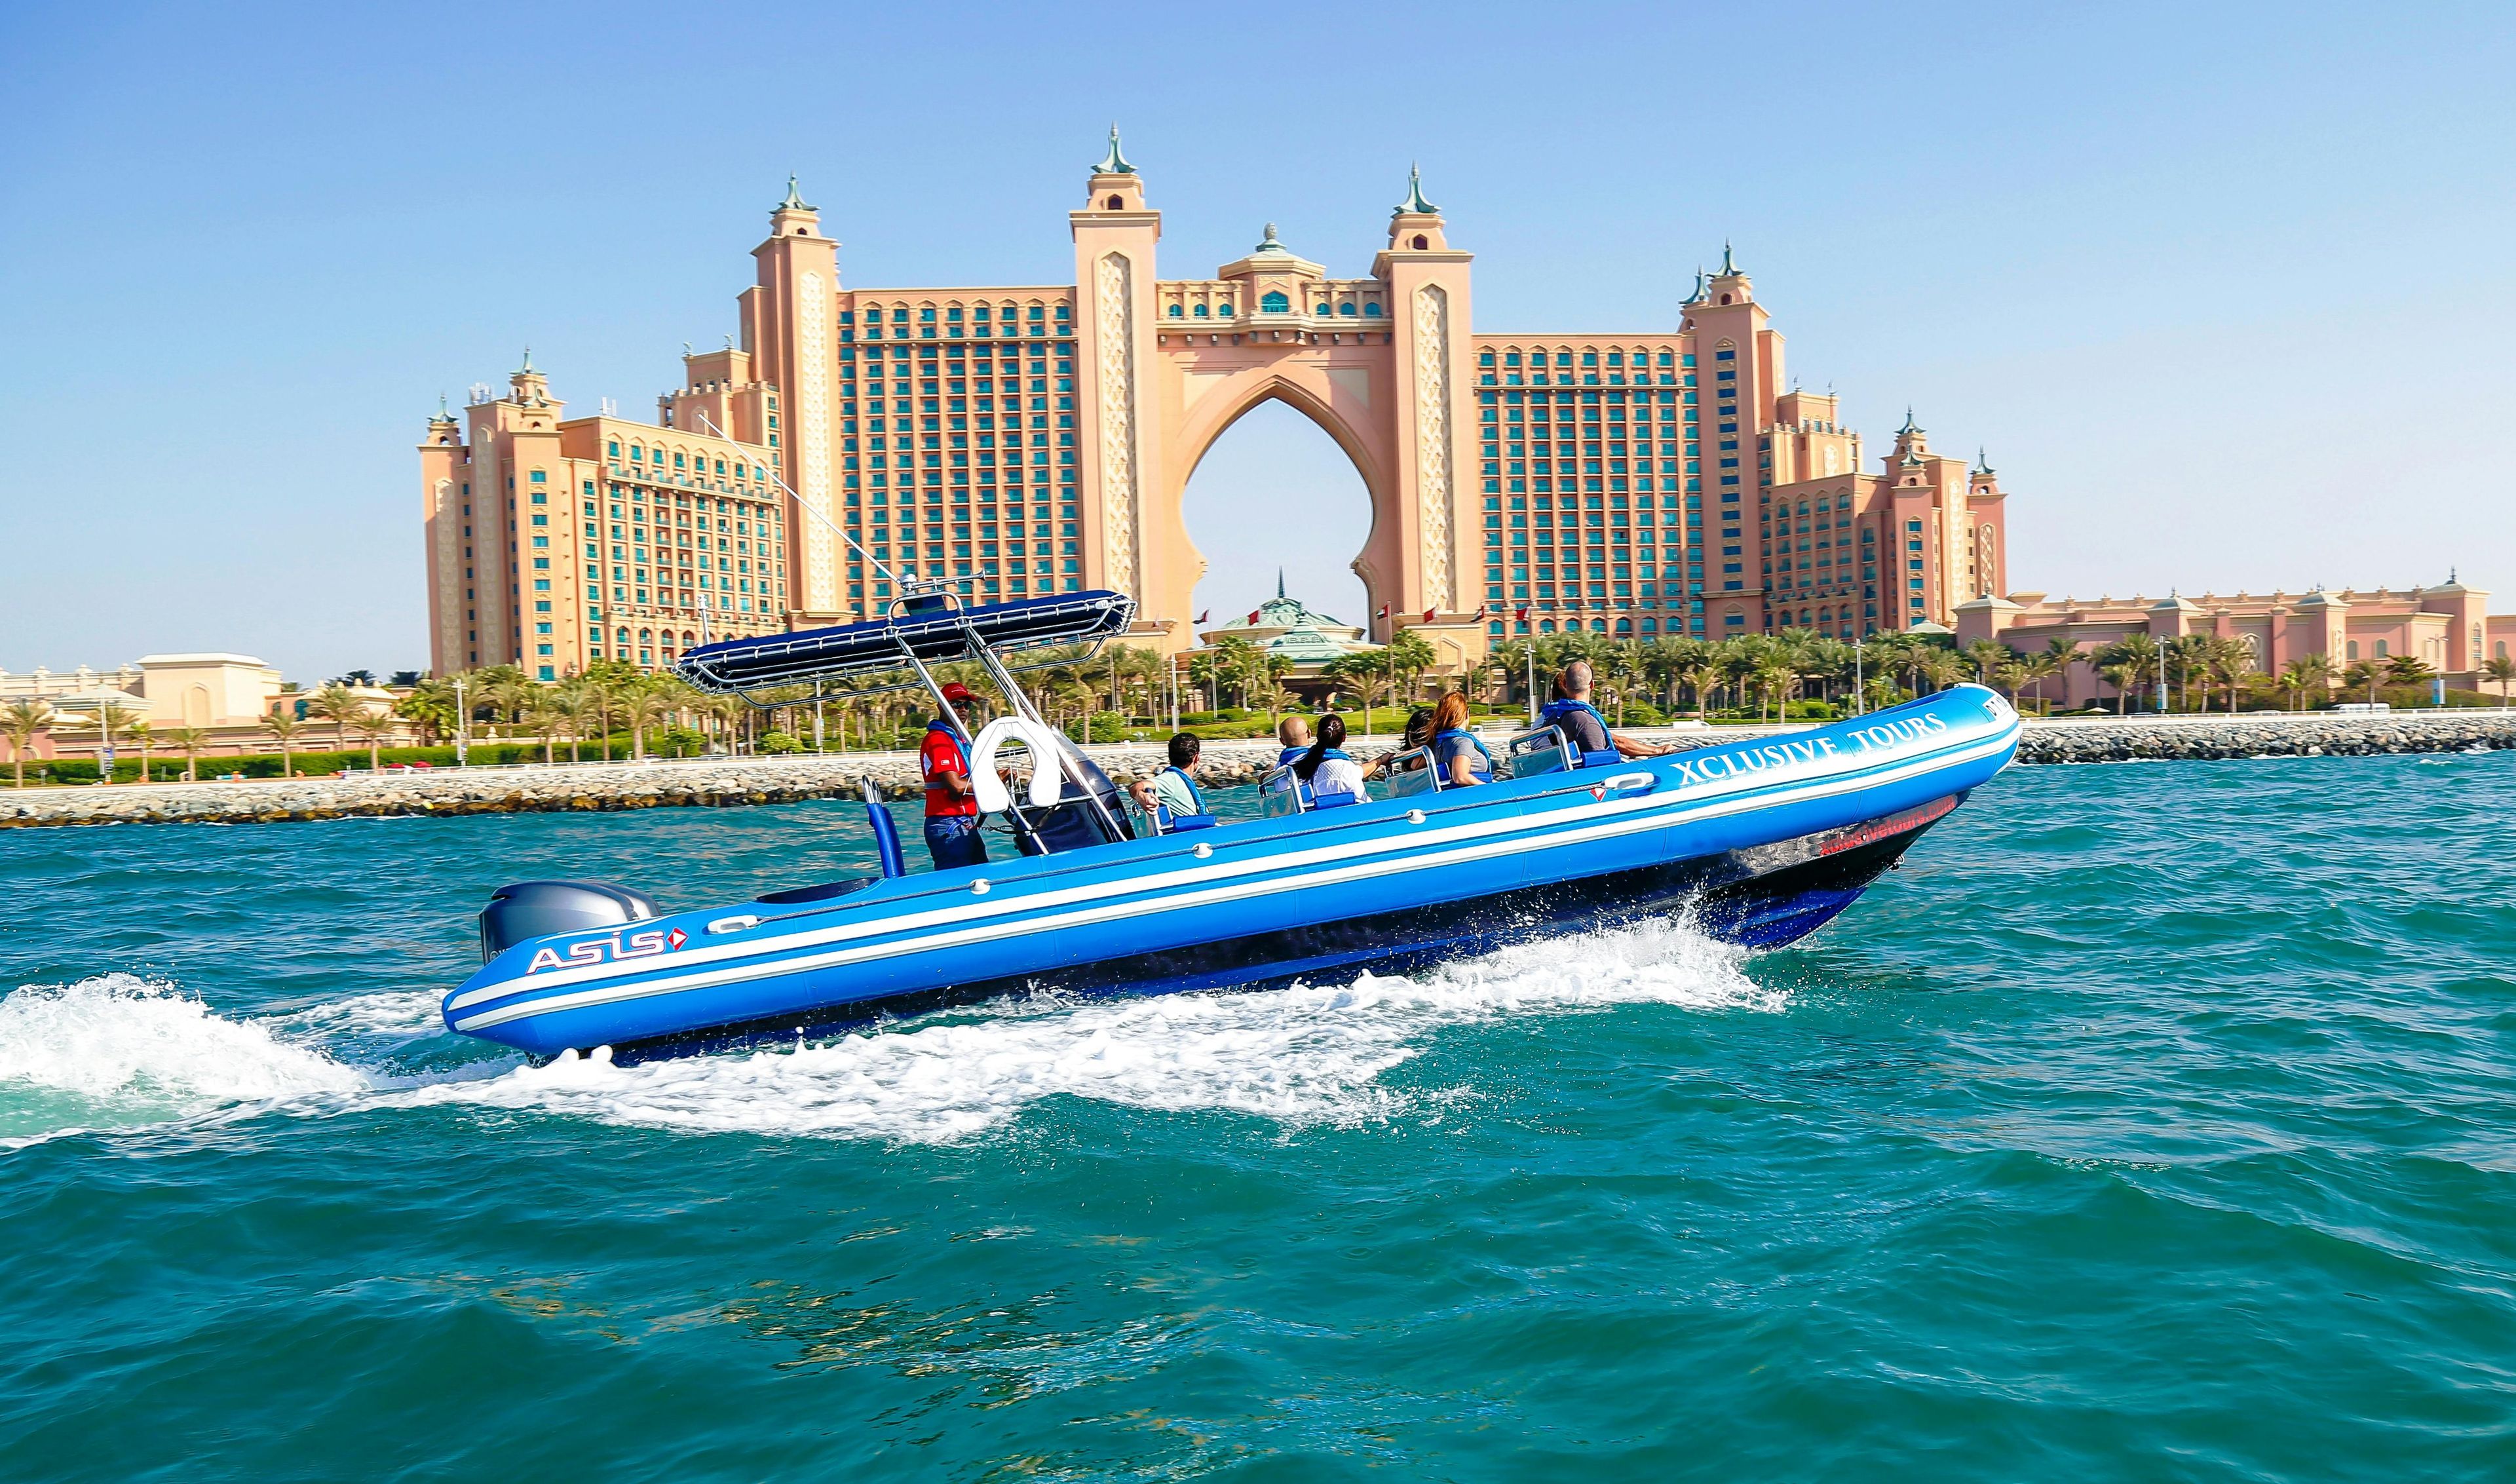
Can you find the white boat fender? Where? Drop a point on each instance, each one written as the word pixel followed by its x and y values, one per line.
pixel 1047 770
pixel 732 925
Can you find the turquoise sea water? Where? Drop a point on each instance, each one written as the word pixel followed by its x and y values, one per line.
pixel 2155 1121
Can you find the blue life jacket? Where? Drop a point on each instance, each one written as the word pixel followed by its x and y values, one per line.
pixel 1286 757
pixel 1554 712
pixel 1441 758
pixel 1203 818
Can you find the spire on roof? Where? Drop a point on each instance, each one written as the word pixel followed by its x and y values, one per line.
pixel 1279 581
pixel 529 359
pixel 1911 426
pixel 442 416
pixel 794 200
pixel 1982 461
pixel 1697 297
pixel 1415 204
pixel 1113 163
pixel 1267 243
pixel 1729 267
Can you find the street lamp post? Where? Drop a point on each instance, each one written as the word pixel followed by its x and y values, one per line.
pixel 462 718
pixel 1860 701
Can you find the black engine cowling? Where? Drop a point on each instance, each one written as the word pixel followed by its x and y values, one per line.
pixel 535 908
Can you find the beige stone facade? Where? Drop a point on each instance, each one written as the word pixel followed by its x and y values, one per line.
pixel 2445 627
pixel 1020 439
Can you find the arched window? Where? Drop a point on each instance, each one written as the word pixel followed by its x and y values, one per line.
pixel 2502 648
pixel 1200 312
pixel 1177 312
pixel 2380 649
pixel 1546 625
pixel 1371 312
pixel 1346 309
pixel 1115 203
pixel 1419 242
pixel 2352 651
pixel 1274 302
pixel 1725 298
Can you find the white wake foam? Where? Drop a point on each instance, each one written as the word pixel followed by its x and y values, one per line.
pixel 115 1050
pixel 1298 1055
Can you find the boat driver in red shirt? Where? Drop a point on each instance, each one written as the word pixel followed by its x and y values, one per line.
pixel 952 817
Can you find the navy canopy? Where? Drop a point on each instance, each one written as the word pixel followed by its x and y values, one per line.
pixel 934 635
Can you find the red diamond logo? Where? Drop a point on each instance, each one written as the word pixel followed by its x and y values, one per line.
pixel 678 938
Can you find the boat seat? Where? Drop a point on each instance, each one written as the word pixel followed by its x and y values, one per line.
pixel 1540 751
pixel 1334 800
pixel 1280 793
pixel 1172 824
pixel 822 892
pixel 1608 759
pixel 1411 771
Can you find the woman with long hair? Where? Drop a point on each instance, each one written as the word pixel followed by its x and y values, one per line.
pixel 1463 759
pixel 1325 766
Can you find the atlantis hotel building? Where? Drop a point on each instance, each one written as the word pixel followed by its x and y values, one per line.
pixel 1024 439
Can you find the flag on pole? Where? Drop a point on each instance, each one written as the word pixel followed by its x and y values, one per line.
pixel 1384 611
pixel 1521 613
pixel 1208 614
pixel 1253 615
pixel 1481 613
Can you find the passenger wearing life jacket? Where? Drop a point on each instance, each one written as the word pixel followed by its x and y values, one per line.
pixel 1171 794
pixel 1325 766
pixel 1293 735
pixel 1583 727
pixel 952 817
pixel 1463 759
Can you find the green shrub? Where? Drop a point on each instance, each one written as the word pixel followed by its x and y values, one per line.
pixel 1107 727
pixel 779 743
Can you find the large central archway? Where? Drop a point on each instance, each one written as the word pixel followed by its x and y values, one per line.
pixel 1334 388
pixel 1273 493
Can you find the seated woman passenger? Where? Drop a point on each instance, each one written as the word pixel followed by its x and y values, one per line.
pixel 1323 764
pixel 1419 731
pixel 1294 734
pixel 1463 759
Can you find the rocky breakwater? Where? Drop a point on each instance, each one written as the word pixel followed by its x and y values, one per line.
pixel 2264 734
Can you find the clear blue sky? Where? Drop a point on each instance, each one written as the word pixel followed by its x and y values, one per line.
pixel 2224 289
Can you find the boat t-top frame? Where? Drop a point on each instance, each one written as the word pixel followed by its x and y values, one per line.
pixel 928 624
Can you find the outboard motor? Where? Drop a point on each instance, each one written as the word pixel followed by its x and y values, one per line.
pixel 536 908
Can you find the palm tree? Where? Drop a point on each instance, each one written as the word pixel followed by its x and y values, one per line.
pixel 189 741
pixel 2294 683
pixel 1362 674
pixel 140 732
pixel 373 726
pixel 2318 672
pixel 2407 670
pixel 21 722
pixel 541 718
pixel 645 705
pixel 2503 670
pixel 1703 676
pixel 1986 655
pixel 2364 672
pixel 2231 661
pixel 284 728
pixel 431 706
pixel 2139 655
pixel 340 705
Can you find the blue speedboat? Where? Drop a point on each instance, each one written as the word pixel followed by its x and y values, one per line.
pixel 1761 840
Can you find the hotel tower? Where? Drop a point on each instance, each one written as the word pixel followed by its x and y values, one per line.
pixel 1022 440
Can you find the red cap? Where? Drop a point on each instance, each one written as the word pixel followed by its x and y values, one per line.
pixel 956 690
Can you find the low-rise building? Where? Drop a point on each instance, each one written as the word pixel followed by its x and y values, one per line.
pixel 2447 627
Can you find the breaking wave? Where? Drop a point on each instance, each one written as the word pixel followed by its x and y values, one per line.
pixel 1299 1055
pixel 117 1052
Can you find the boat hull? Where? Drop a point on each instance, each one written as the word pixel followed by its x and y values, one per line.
pixel 1761 840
